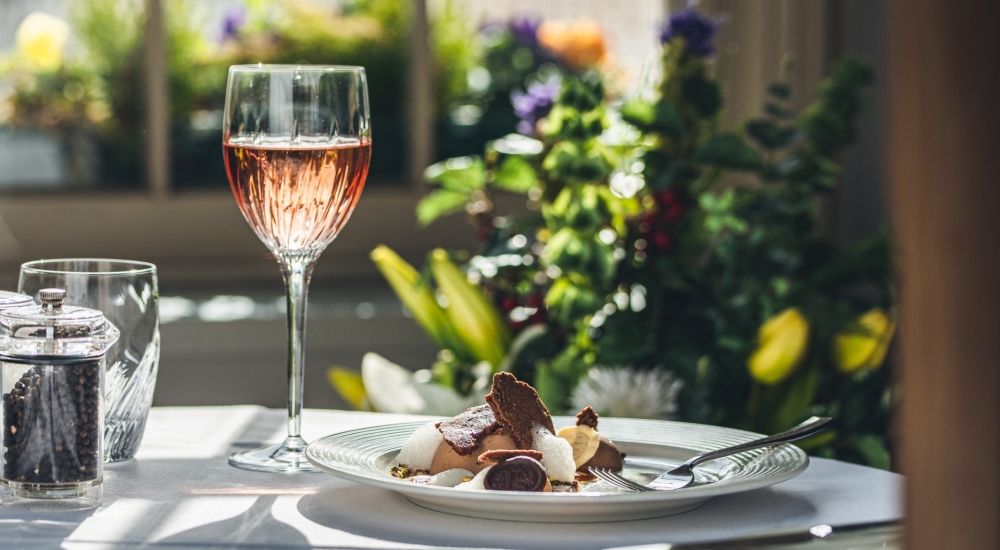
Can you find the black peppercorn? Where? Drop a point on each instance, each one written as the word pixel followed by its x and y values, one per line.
pixel 50 426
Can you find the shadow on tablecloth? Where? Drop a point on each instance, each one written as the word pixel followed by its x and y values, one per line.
pixel 255 527
pixel 31 530
pixel 386 515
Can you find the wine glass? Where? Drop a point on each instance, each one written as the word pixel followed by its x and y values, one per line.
pixel 297 142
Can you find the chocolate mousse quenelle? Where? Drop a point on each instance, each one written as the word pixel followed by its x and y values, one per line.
pixel 508 444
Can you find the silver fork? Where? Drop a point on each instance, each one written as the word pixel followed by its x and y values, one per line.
pixel 683 475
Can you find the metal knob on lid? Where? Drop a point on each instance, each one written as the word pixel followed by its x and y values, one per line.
pixel 51 298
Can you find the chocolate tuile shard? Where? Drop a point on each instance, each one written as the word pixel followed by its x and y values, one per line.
pixel 466 431
pixel 518 409
pixel 587 417
pixel 500 455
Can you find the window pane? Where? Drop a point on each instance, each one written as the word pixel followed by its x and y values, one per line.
pixel 70 104
pixel 207 37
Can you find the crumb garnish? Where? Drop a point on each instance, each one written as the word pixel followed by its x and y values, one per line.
pixel 403 471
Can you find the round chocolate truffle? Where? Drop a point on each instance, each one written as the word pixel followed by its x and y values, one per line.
pixel 520 473
pixel 607 456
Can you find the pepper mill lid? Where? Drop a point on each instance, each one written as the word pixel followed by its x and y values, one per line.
pixel 53 329
pixel 13 299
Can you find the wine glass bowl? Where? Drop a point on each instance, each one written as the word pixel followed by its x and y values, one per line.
pixel 297 144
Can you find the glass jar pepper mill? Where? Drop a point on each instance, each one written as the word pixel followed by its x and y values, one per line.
pixel 51 388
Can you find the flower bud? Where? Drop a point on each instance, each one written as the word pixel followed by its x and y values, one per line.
pixel 782 343
pixel 864 343
pixel 40 39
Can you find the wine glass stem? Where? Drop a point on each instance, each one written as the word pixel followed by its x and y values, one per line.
pixel 297 272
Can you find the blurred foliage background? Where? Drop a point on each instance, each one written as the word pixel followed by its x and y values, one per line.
pixel 88 90
pixel 664 264
pixel 668 265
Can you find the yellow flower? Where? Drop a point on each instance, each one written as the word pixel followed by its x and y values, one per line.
pixel 781 346
pixel 863 345
pixel 40 39
pixel 350 386
pixel 579 43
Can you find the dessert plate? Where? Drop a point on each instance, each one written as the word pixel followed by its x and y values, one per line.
pixel 652 446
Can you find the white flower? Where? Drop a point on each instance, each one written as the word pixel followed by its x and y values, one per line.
pixel 626 392
pixel 625 186
pixel 391 388
pixel 40 38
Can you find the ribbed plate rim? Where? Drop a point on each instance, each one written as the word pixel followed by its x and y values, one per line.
pixel 786 462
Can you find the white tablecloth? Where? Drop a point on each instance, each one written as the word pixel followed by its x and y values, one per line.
pixel 180 493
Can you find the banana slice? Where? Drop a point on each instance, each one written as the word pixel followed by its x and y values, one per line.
pixel 584 441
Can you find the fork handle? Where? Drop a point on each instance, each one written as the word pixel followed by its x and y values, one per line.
pixel 804 429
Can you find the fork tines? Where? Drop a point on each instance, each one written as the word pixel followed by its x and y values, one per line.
pixel 617 480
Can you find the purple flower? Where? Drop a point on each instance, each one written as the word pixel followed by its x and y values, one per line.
pixel 534 104
pixel 696 29
pixel 233 22
pixel 525 31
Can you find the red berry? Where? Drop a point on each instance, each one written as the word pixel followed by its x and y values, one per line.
pixel 662 241
pixel 665 198
pixel 535 300
pixel 674 213
pixel 508 303
pixel 540 317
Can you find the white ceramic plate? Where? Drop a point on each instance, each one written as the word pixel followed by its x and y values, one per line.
pixel 652 447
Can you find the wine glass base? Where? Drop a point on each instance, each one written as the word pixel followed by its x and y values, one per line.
pixel 276 458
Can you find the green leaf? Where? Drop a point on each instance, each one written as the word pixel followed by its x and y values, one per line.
pixel 704 95
pixel 660 117
pixel 515 174
pixel 638 113
pixel 458 174
pixel 552 388
pixel 566 162
pixel 530 341
pixel 780 90
pixel 568 302
pixel 801 392
pixel 829 123
pixel 873 451
pixel 567 250
pixel 559 162
pixel 439 203
pixel 668 120
pixel 728 151
pixel 777 408
pixel 582 93
pixel 778 111
pixel 770 135
pixel 602 261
